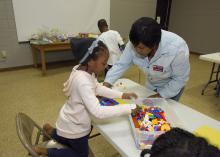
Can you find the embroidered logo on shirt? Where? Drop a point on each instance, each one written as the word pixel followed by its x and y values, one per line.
pixel 158 68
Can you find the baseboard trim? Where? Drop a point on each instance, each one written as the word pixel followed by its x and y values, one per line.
pixel 56 63
pixel 196 53
pixel 16 68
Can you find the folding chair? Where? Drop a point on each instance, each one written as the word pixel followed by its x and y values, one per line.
pixel 30 134
pixel 80 45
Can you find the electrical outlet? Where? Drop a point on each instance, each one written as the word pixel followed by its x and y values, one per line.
pixel 158 19
pixel 3 54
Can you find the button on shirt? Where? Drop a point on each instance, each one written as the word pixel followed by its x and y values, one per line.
pixel 168 70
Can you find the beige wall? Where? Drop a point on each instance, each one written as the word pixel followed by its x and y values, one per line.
pixel 18 54
pixel 198 22
pixel 123 14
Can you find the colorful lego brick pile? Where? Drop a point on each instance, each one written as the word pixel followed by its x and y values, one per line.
pixel 112 102
pixel 108 102
pixel 150 119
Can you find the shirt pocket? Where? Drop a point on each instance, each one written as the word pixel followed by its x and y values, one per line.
pixel 161 69
pixel 155 75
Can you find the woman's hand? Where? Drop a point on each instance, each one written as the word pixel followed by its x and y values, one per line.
pixel 107 84
pixel 155 96
pixel 129 96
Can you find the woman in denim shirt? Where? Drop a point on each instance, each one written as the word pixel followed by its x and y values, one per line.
pixel 163 56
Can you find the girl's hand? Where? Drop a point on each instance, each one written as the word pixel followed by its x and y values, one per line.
pixel 129 96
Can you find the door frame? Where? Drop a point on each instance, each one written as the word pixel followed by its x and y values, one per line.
pixel 163 13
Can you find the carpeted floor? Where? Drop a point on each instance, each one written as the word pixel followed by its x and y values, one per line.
pixel 41 98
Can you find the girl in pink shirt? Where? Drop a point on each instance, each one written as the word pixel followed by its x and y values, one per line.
pixel 73 125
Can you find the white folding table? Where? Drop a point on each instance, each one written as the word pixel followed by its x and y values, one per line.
pixel 215 59
pixel 118 132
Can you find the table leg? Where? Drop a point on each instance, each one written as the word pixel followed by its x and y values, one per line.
pixel 139 76
pixel 210 79
pixel 43 62
pixel 218 90
pixel 34 55
pixel 217 74
pixel 218 82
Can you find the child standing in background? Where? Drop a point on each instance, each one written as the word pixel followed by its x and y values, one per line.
pixel 113 41
pixel 73 125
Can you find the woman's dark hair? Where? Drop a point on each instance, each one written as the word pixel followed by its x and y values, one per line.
pixel 80 48
pixel 180 143
pixel 146 31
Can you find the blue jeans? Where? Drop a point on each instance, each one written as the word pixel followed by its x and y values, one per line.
pixel 177 97
pixel 75 147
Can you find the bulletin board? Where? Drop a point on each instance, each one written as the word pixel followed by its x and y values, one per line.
pixel 69 16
